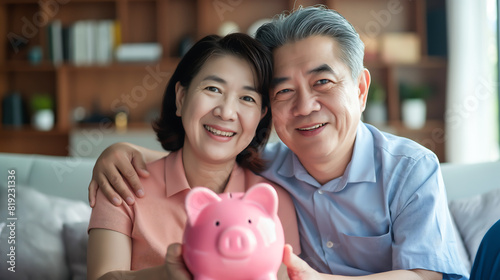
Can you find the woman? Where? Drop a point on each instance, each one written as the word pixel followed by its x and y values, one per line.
pixel 214 120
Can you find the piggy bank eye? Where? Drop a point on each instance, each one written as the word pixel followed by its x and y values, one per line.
pixel 249 221
pixel 217 223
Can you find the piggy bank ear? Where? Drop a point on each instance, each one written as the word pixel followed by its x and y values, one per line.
pixel 265 196
pixel 196 200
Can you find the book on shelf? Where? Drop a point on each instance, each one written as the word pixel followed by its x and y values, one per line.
pixel 139 52
pixel 95 42
pixel 85 42
pixel 55 42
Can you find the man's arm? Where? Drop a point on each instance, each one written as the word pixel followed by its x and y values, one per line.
pixel 119 166
pixel 300 270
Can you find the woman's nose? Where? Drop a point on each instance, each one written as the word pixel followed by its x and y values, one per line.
pixel 226 110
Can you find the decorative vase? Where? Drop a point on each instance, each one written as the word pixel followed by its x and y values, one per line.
pixel 43 119
pixel 414 113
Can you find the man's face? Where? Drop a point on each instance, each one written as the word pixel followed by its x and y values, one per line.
pixel 315 103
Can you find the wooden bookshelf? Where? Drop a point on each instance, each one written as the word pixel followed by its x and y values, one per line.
pixel 167 22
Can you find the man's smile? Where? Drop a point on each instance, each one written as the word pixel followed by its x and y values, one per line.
pixel 313 127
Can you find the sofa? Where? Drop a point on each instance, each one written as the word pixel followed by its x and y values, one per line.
pixel 49 212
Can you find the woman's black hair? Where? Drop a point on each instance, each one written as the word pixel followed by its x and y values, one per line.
pixel 168 126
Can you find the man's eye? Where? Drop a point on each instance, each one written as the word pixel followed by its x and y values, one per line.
pixel 283 91
pixel 322 81
pixel 248 98
pixel 214 89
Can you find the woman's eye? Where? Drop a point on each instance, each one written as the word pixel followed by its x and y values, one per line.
pixel 214 89
pixel 248 98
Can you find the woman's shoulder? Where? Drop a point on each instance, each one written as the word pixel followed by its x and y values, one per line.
pixel 158 167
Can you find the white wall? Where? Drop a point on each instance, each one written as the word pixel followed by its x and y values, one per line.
pixel 471 113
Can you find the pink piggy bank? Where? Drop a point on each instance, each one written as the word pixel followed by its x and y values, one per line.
pixel 233 235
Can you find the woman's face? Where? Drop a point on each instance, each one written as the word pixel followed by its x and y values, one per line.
pixel 220 110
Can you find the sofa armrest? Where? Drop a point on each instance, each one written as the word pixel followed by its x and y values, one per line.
pixel 467 180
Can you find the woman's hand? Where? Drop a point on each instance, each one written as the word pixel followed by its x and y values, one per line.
pixel 117 168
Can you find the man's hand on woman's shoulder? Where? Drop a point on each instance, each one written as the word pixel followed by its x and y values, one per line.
pixel 117 168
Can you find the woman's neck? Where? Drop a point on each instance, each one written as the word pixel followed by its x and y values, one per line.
pixel 202 173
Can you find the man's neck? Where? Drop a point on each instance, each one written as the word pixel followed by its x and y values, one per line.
pixel 327 167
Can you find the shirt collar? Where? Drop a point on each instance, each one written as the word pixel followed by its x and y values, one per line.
pixel 287 167
pixel 236 182
pixel 176 181
pixel 361 168
pixel 362 165
pixel 175 177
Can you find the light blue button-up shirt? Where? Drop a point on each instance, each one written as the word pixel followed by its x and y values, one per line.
pixel 388 211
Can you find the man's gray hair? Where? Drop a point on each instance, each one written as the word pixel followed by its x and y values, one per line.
pixel 310 21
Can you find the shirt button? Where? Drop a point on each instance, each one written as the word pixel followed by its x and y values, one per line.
pixel 329 244
pixel 320 192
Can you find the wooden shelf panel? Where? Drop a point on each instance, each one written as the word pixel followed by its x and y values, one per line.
pixel 244 14
pixel 29 141
pixel 373 18
pixel 25 66
pixel 432 135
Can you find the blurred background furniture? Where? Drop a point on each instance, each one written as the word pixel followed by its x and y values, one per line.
pixel 90 93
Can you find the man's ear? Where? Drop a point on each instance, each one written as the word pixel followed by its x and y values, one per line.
pixel 180 93
pixel 364 80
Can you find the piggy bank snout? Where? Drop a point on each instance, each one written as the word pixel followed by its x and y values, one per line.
pixel 237 242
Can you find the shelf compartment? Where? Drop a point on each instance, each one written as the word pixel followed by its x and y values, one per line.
pixel 26 140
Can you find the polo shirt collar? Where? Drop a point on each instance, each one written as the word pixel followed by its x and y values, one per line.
pixel 361 168
pixel 176 181
pixel 236 179
pixel 175 176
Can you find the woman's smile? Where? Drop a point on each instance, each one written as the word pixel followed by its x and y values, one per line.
pixel 219 132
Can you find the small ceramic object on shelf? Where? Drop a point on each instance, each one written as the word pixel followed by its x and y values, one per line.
pixel 228 27
pixel 43 119
pixel 35 55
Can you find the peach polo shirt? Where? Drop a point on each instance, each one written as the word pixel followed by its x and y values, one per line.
pixel 158 219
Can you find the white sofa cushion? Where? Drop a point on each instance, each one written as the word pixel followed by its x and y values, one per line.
pixel 474 216
pixel 40 251
pixel 75 243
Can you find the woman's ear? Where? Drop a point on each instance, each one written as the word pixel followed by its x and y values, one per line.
pixel 180 93
pixel 264 112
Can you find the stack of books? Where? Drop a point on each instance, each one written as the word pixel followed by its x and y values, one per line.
pixel 95 42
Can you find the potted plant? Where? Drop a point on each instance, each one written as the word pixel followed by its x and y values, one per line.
pixel 42 107
pixel 413 104
pixel 376 108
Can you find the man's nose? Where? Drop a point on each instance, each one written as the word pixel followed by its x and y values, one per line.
pixel 306 102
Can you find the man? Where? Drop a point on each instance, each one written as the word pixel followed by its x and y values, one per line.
pixel 368 203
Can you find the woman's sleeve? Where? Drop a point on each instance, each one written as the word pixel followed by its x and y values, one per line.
pixel 105 215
